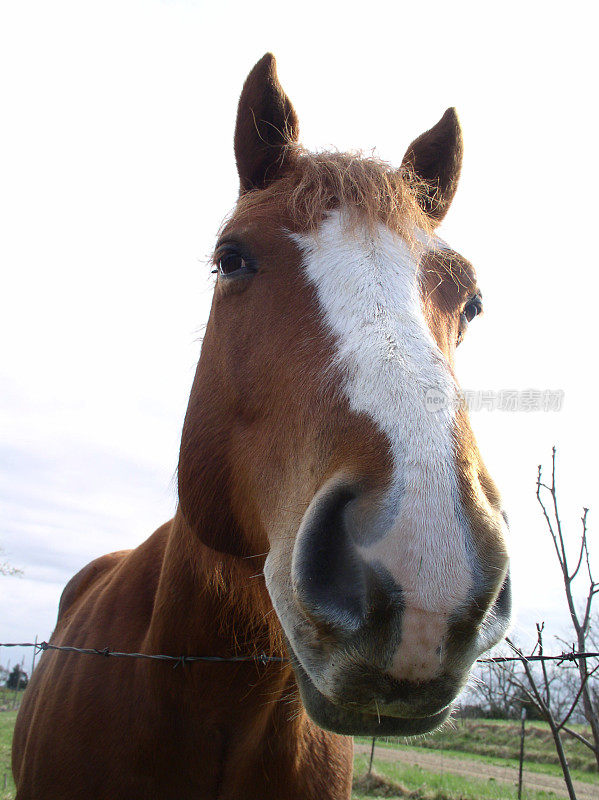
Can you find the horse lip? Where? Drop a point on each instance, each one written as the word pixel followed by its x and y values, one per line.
pixel 360 721
pixel 377 713
pixel 395 710
pixel 339 719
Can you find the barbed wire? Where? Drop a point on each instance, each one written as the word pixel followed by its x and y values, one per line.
pixel 262 658
pixel 567 655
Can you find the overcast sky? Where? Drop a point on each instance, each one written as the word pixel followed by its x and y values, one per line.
pixel 116 170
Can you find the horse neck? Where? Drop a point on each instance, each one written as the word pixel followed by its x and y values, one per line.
pixel 245 719
pixel 210 603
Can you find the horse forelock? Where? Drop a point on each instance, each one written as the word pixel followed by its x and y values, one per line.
pixel 370 190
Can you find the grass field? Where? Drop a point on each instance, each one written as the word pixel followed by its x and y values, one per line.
pixel 544 768
pixel 7 724
pixel 488 740
pixel 498 741
pixel 403 781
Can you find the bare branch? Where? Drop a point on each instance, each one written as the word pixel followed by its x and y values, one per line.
pixel 583 683
pixel 581 693
pixel 554 536
pixel 540 628
pixel 546 515
pixel 586 619
pixel 538 699
pixel 582 739
pixel 548 715
pixel 585 511
pixel 562 544
pixel 583 544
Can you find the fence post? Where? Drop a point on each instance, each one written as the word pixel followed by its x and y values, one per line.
pixel 371 754
pixel 34 655
pixel 522 731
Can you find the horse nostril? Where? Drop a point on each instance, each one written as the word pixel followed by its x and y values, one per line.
pixel 328 575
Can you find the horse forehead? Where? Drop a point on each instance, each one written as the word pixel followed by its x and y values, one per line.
pixel 343 244
pixel 368 287
pixel 389 266
pixel 369 282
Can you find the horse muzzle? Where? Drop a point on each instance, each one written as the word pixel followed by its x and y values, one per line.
pixel 368 661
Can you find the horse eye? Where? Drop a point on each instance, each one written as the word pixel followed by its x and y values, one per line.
pixel 230 263
pixel 472 309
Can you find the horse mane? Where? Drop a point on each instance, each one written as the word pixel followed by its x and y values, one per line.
pixel 370 190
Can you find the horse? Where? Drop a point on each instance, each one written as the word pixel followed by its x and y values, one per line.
pixel 333 508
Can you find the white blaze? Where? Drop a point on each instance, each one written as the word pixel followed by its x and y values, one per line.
pixel 368 289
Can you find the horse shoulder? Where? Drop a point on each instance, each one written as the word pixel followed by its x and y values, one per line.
pixel 143 563
pixel 90 611
pixel 80 583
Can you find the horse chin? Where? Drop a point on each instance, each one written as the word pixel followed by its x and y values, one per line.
pixel 357 722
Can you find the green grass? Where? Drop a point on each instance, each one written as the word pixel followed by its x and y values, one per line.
pixel 492 737
pixel 402 780
pixel 8 700
pixel 498 742
pixel 496 761
pixel 7 724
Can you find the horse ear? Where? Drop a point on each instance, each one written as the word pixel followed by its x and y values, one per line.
pixel 266 125
pixel 435 157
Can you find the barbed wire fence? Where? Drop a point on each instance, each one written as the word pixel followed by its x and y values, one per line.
pixel 263 658
pixel 565 657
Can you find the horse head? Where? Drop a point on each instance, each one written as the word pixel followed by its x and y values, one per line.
pixel 325 421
